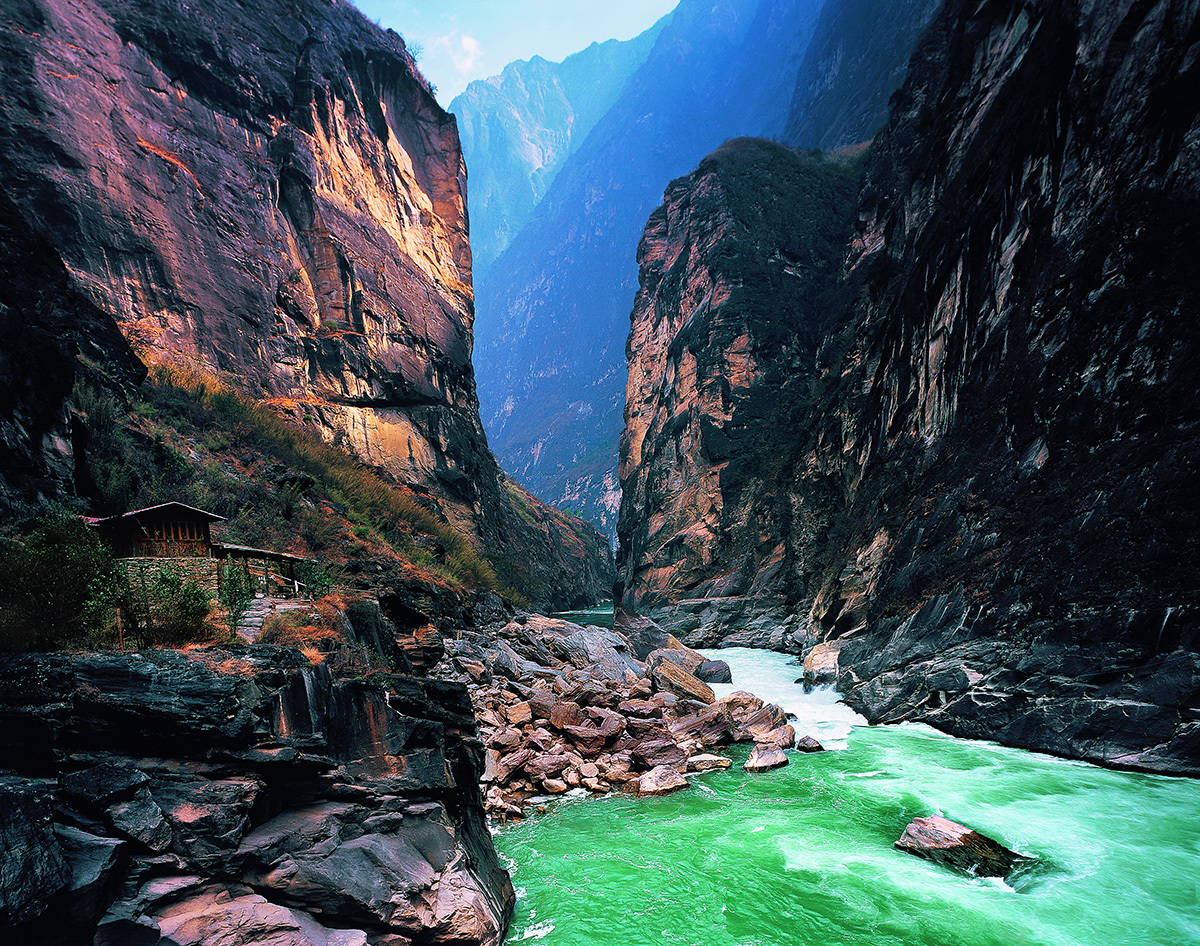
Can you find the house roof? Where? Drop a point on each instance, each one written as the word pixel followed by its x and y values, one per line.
pixel 163 509
pixel 245 550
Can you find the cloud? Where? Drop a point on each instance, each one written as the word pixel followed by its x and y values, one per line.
pixel 463 49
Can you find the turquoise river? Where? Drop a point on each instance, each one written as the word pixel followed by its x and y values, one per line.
pixel 804 855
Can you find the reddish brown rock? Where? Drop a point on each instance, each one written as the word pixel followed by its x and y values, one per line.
pixel 765 758
pixel 661 780
pixel 651 753
pixel 715 727
pixel 954 845
pixel 675 680
pixel 705 762
pixel 808 744
pixel 565 713
pixel 782 737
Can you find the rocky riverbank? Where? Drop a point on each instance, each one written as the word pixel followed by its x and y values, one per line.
pixel 240 796
pixel 563 707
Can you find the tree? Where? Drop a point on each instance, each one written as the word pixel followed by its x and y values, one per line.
pixel 56 587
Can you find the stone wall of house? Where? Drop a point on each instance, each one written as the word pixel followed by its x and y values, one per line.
pixel 206 572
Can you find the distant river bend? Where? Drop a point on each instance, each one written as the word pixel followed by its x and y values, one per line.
pixel 803 855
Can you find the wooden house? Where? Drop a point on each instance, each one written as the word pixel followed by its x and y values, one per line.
pixel 145 538
pixel 169 530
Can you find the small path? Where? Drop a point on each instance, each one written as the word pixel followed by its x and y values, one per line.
pixel 250 626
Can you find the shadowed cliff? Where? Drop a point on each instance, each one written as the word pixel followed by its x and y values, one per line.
pixel 989 509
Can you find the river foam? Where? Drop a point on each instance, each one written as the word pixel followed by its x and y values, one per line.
pixel 804 854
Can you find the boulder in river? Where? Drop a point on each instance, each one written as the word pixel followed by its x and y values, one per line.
pixel 661 780
pixel 765 758
pixel 954 845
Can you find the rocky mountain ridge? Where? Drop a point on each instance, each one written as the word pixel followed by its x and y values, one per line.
pixel 981 479
pixel 270 193
pixel 519 127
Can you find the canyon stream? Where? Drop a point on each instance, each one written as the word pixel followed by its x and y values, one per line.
pixel 804 855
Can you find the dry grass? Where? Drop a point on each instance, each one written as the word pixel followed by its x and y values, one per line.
pixel 391 511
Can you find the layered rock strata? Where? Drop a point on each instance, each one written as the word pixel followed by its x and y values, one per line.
pixel 564 707
pixel 734 299
pixel 241 797
pixel 269 191
pixel 991 472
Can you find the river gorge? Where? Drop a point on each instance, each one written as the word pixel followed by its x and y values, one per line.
pixel 804 854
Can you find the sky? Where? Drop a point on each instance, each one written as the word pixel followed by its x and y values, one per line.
pixel 462 40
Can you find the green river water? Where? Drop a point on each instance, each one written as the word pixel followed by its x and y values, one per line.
pixel 803 854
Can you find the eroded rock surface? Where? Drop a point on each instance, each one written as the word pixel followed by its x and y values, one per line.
pixel 272 192
pixel 241 797
pixel 972 472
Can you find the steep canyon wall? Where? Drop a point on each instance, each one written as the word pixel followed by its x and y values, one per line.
pixel 269 191
pixel 982 475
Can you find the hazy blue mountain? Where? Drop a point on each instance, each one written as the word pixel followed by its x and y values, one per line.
pixel 857 59
pixel 552 312
pixel 518 128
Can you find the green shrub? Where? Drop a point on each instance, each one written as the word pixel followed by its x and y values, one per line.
pixel 56 587
pixel 237 591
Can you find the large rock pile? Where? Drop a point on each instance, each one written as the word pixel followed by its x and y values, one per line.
pixel 240 797
pixel 564 707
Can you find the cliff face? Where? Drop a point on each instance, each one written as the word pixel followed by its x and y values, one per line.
pixel 270 191
pixel 241 797
pixel 733 301
pixel 995 474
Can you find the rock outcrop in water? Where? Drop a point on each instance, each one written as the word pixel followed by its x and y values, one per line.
pixel 982 483
pixel 240 797
pixel 270 191
pixel 941 840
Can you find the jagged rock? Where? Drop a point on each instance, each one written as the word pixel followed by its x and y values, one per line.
pixel 765 719
pixel 643 634
pixel 821 663
pixel 519 713
pixel 32 865
pixel 661 780
pixel 674 679
pixel 714 671
pixel 99 785
pixel 222 913
pixel 642 709
pixel 677 654
pixel 741 705
pixel 765 758
pixel 141 820
pixel 654 753
pixel 808 744
pixel 377 862
pixel 714 727
pixel 208 819
pixel 705 762
pixel 565 713
pixel 782 737
pixel 946 842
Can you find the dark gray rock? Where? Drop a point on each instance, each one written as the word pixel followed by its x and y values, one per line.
pixel 714 671
pixel 32 865
pixel 140 819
